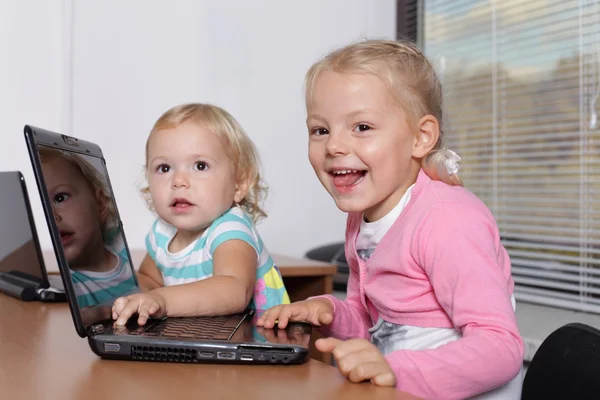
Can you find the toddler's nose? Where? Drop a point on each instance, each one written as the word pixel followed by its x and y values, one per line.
pixel 180 180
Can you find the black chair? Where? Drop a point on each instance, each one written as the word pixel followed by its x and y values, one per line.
pixel 333 253
pixel 566 366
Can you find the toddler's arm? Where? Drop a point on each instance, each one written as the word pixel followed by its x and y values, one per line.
pixel 463 257
pixel 228 291
pixel 149 275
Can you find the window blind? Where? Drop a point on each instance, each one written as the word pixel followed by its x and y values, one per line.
pixel 521 81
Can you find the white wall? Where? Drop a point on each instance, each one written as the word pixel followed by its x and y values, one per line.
pixel 106 70
pixel 31 85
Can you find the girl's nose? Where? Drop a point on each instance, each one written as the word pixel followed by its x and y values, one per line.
pixel 180 180
pixel 337 144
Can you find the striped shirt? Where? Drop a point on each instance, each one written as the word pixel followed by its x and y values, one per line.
pixel 93 288
pixel 195 262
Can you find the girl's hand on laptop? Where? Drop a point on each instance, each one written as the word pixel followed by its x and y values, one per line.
pixel 359 360
pixel 317 311
pixel 146 305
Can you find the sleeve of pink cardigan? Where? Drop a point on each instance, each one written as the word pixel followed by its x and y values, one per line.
pixel 350 319
pixel 460 250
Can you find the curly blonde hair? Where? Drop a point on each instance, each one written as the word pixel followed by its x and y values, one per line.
pixel 405 70
pixel 236 142
pixel 94 179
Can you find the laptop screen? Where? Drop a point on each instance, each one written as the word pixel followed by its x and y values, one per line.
pixel 19 253
pixel 87 228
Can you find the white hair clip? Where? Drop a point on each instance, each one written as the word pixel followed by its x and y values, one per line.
pixel 451 160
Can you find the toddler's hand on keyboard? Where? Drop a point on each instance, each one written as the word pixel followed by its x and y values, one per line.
pixel 359 360
pixel 317 311
pixel 146 305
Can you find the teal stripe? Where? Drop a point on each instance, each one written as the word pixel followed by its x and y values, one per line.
pixel 229 216
pixel 161 240
pixel 105 295
pixel 231 235
pixel 200 243
pixel 200 270
pixel 149 246
pixel 266 267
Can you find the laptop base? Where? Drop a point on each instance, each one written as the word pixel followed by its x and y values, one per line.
pixel 17 287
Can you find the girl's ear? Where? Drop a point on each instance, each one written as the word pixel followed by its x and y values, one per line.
pixel 241 189
pixel 427 136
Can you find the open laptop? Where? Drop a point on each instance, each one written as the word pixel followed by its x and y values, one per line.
pixel 80 207
pixel 22 270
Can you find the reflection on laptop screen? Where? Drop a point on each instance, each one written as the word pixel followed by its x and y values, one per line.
pixel 90 233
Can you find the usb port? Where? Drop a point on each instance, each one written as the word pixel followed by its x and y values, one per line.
pixel 246 357
pixel 224 355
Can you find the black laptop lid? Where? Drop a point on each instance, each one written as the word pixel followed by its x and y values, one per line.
pixel 84 222
pixel 20 253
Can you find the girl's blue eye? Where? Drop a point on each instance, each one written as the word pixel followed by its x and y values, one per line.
pixel 60 197
pixel 320 131
pixel 201 166
pixel 163 168
pixel 362 128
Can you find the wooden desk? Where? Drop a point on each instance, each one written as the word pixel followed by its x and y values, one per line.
pixel 303 278
pixel 41 357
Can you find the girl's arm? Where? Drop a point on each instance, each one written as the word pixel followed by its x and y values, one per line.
pixel 149 275
pixel 228 291
pixel 460 250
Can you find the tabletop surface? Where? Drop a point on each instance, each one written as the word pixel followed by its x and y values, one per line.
pixel 42 357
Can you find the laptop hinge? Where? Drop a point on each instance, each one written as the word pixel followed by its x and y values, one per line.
pixel 95 329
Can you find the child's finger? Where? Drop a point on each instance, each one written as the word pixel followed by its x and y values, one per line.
pixel 327 345
pixel 325 318
pixel 118 306
pixel 127 312
pixel 269 317
pixel 143 314
pixel 294 312
pixel 372 370
pixel 360 359
pixel 384 379
pixel 284 316
pixel 347 347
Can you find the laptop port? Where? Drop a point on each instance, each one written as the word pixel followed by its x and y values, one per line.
pixel 206 354
pixel 246 357
pixel 225 355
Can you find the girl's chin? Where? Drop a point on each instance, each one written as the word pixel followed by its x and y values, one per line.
pixel 348 206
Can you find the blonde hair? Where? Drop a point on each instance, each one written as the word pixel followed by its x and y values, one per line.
pixel 95 181
pixel 403 68
pixel 236 142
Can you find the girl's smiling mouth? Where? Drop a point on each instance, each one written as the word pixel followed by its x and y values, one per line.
pixel 346 179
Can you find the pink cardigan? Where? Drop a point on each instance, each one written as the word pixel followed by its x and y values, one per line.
pixel 440 265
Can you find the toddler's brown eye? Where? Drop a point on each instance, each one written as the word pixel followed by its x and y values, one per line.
pixel 163 168
pixel 201 166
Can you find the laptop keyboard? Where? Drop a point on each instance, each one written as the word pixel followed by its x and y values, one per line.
pixel 204 328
